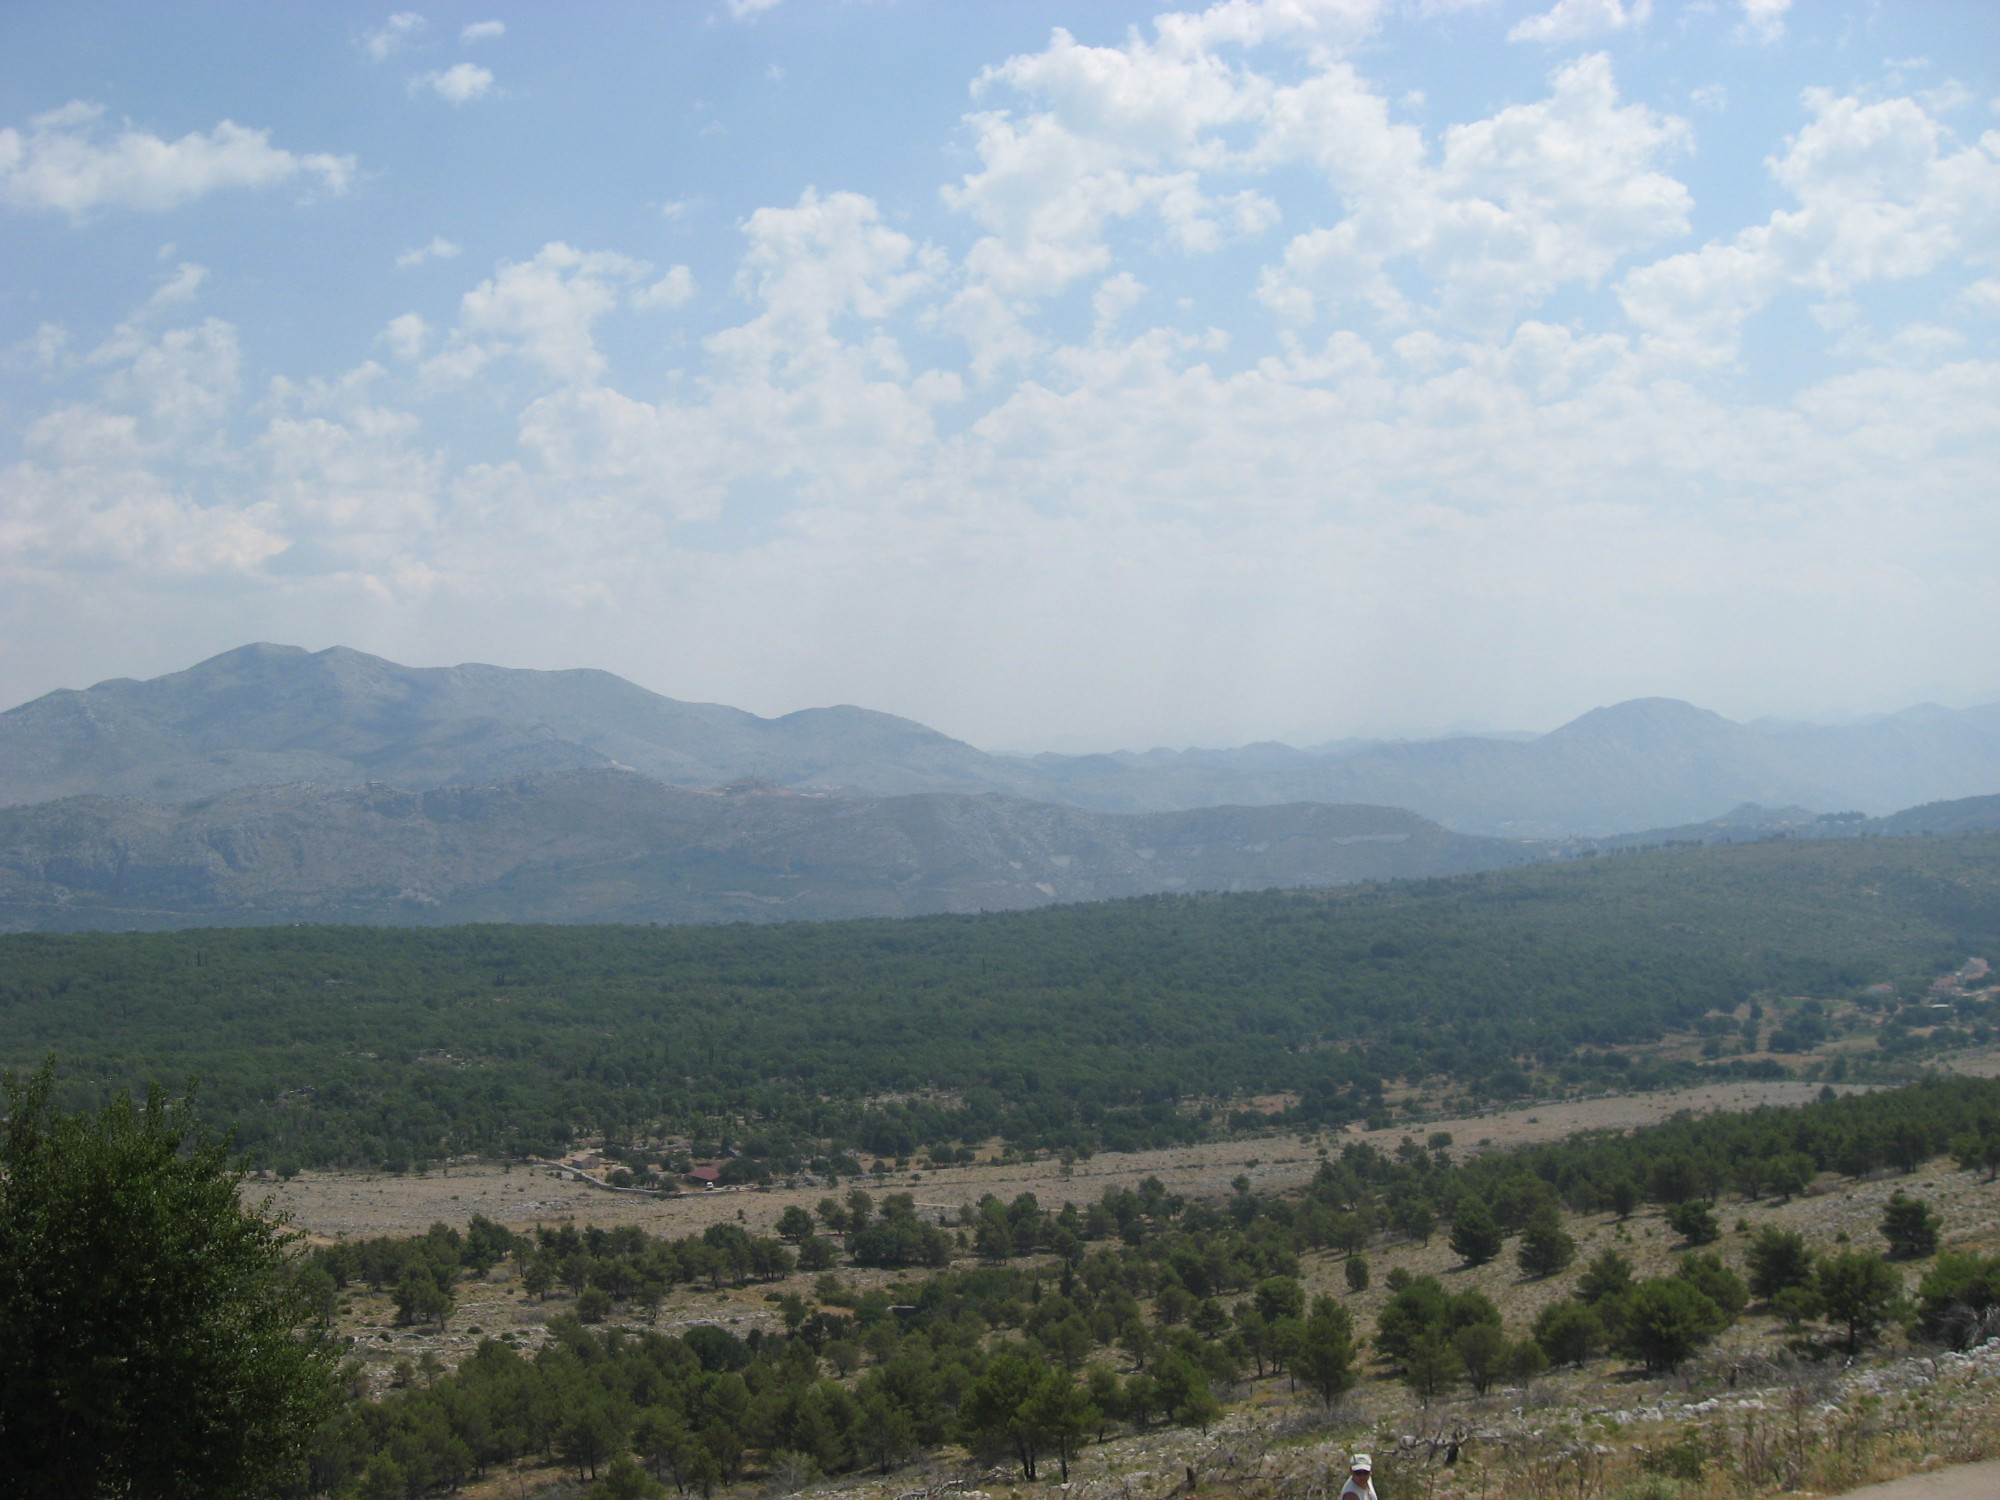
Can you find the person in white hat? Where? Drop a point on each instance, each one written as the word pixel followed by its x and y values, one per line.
pixel 1360 1479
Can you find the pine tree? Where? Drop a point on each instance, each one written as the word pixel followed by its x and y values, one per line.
pixel 154 1341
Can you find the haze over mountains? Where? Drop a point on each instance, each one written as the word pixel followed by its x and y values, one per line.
pixel 271 783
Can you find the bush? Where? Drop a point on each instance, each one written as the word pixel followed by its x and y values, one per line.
pixel 1694 1222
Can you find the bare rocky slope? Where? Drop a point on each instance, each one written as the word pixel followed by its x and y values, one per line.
pixel 615 846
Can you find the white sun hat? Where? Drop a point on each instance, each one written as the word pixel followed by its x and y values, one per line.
pixel 1363 1463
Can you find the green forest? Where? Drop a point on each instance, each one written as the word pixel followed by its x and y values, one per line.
pixel 1108 1026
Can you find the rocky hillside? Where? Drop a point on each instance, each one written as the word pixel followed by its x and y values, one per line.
pixel 607 845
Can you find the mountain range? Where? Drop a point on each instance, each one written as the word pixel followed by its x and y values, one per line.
pixel 272 784
pixel 268 715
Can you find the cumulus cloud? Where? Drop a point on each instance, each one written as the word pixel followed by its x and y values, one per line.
pixel 461 83
pixel 1532 198
pixel 68 161
pixel 1881 194
pixel 406 337
pixel 541 310
pixel 180 286
pixel 1764 20
pixel 439 248
pixel 1574 20
pixel 393 35
pixel 482 31
pixel 671 290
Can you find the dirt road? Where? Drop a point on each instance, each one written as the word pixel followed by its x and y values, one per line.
pixel 347 1204
pixel 1966 1482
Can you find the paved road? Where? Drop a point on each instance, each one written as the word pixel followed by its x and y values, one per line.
pixel 1966 1482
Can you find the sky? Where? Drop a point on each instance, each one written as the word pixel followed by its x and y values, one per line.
pixel 1069 376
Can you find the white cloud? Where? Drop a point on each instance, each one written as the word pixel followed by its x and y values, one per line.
pixel 541 310
pixel 406 337
pixel 746 10
pixel 181 286
pixel 482 31
pixel 671 290
pixel 1764 20
pixel 1518 204
pixel 393 35
pixel 67 161
pixel 1093 520
pixel 461 83
pixel 439 248
pixel 1574 20
pixel 1882 196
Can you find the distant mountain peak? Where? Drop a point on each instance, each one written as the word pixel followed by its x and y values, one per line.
pixel 1645 715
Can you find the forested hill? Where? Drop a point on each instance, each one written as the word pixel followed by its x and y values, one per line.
pixel 1105 1025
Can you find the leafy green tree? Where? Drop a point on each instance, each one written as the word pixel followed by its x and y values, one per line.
pixel 1665 1319
pixel 1694 1221
pixel 420 1299
pixel 1910 1225
pixel 625 1480
pixel 1606 1276
pixel 1474 1234
pixel 1715 1281
pixel 1001 1410
pixel 1546 1247
pixel 1790 1173
pixel 1856 1289
pixel 1525 1360
pixel 153 1339
pixel 1065 1413
pixel 1778 1259
pixel 1957 1297
pixel 1432 1366
pixel 794 1224
pixel 1184 1393
pixel 1569 1332
pixel 1324 1356
pixel 1482 1350
pixel 1975 1149
pixel 1795 1306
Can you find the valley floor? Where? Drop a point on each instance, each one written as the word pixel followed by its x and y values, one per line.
pixel 1801 1422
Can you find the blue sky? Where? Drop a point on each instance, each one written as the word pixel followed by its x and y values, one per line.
pixel 1061 376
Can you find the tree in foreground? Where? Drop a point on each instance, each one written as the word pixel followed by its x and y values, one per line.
pixel 153 1340
pixel 1856 1290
